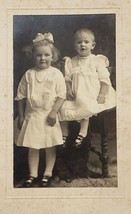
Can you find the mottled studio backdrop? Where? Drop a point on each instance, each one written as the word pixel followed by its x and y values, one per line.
pixel 63 28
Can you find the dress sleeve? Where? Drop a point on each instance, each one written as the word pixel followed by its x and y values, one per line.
pixel 22 89
pixel 61 86
pixel 68 69
pixel 102 63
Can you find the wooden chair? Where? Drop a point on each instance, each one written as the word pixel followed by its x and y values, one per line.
pixel 101 124
pixel 98 124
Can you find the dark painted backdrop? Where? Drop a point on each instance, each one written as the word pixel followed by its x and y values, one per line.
pixel 63 28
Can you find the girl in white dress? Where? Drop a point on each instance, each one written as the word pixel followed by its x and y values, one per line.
pixel 41 93
pixel 89 89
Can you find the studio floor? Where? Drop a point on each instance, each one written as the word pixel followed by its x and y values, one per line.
pixel 94 165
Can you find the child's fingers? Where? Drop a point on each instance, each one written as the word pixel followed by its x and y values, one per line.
pixel 100 100
pixel 71 96
pixel 51 122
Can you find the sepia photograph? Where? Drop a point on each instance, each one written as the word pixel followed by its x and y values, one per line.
pixel 65 107
pixel 64 102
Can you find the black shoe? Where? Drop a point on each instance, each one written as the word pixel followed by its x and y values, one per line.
pixel 45 182
pixel 29 182
pixel 64 141
pixel 79 141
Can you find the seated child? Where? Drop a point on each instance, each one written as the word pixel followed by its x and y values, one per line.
pixel 89 89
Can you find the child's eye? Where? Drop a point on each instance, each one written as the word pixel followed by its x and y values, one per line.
pixel 47 55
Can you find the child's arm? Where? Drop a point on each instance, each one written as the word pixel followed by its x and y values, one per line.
pixel 21 112
pixel 21 98
pixel 69 95
pixel 103 92
pixel 51 119
pixel 68 68
pixel 104 77
pixel 60 98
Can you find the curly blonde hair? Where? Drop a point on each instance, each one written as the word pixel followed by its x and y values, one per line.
pixel 55 51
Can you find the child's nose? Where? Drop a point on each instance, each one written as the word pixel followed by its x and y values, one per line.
pixel 43 57
pixel 83 43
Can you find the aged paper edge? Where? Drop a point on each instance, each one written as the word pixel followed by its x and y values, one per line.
pixel 103 192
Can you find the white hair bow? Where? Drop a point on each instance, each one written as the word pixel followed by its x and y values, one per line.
pixel 46 36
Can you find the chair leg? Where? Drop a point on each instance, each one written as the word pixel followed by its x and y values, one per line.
pixel 104 156
pixel 104 146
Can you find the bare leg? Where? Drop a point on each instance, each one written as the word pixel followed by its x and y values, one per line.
pixel 65 131
pixel 82 133
pixel 84 127
pixel 64 128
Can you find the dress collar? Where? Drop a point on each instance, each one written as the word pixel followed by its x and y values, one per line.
pixel 44 70
pixel 83 60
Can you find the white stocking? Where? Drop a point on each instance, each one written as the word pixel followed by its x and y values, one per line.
pixel 50 160
pixel 33 161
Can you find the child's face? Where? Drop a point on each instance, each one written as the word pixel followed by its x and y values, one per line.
pixel 84 43
pixel 43 57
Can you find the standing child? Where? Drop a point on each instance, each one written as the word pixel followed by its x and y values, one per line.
pixel 41 93
pixel 89 89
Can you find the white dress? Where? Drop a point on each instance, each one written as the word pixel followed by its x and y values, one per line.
pixel 86 73
pixel 41 88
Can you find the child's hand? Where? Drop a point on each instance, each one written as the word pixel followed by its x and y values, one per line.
pixel 70 95
pixel 20 122
pixel 101 98
pixel 51 119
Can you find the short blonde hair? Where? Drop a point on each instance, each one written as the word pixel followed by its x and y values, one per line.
pixel 84 30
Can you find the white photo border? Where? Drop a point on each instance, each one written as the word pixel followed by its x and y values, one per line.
pixel 104 192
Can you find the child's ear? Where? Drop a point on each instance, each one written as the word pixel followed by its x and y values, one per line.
pixel 75 45
pixel 93 45
pixel 53 58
